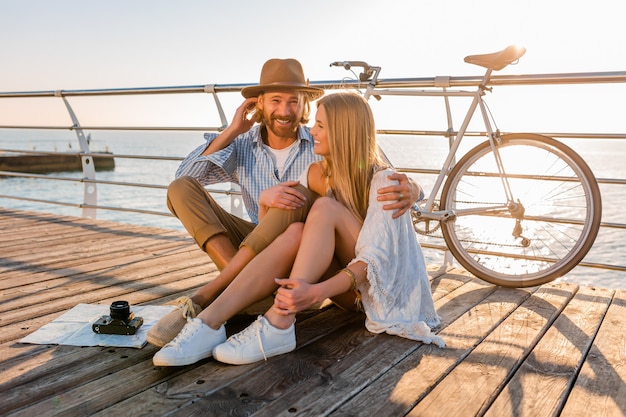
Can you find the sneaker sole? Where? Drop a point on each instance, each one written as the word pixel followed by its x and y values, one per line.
pixel 180 361
pixel 236 360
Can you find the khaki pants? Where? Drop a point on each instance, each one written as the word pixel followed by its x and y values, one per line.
pixel 204 218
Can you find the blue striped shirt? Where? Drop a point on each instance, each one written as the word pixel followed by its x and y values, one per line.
pixel 247 163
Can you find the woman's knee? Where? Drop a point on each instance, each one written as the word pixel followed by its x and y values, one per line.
pixel 324 206
pixel 292 235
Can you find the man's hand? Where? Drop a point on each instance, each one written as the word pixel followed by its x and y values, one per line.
pixel 240 124
pixel 402 195
pixel 283 196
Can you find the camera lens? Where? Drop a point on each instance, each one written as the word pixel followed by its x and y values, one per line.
pixel 120 310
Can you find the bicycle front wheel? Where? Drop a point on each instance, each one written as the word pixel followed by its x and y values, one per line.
pixel 561 216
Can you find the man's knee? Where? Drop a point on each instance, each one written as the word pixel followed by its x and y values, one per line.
pixel 180 186
pixel 179 190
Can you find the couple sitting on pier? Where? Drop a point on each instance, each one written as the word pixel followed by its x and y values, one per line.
pixel 326 211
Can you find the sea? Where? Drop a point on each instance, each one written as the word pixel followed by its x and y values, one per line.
pixel 605 157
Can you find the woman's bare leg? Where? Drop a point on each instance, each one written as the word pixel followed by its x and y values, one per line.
pixel 256 280
pixel 204 295
pixel 330 231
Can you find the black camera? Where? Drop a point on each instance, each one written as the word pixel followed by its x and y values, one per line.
pixel 121 320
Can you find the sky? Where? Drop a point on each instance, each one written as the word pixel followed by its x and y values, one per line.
pixel 84 44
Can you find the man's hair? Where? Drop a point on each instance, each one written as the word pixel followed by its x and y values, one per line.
pixel 354 153
pixel 303 101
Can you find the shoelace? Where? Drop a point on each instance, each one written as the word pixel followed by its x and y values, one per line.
pixel 186 304
pixel 249 332
pixel 187 331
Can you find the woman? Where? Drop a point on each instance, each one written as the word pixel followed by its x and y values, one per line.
pixel 385 269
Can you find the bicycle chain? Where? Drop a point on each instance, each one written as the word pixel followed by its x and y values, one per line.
pixel 430 232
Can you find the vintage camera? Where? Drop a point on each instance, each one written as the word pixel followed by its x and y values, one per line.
pixel 121 320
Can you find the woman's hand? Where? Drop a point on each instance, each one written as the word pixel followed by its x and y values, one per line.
pixel 293 296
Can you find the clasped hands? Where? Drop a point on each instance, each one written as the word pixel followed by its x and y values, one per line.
pixel 293 296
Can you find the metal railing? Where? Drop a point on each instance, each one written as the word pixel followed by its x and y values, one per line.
pixel 90 204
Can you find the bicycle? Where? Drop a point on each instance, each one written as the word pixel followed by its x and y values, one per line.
pixel 517 210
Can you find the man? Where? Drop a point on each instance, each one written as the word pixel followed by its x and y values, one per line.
pixel 266 160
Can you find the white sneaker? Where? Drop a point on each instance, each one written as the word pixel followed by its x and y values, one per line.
pixel 258 341
pixel 194 342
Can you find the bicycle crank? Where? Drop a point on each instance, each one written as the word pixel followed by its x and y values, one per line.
pixel 424 226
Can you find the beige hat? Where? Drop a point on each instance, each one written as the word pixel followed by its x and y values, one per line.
pixel 278 74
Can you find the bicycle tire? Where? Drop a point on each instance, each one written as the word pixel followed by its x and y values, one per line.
pixel 562 203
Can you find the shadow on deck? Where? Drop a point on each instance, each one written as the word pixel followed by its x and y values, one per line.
pixel 552 350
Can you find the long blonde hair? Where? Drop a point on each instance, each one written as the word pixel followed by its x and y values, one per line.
pixel 354 153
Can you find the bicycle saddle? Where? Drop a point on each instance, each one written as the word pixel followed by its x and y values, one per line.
pixel 497 60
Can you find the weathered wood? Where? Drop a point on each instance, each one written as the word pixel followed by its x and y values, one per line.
pixel 398 390
pixel 214 385
pixel 471 385
pixel 552 350
pixel 540 386
pixel 600 389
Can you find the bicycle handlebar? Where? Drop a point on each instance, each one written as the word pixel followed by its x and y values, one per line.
pixel 368 70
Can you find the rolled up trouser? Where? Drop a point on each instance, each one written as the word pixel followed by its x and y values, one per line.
pixel 276 221
pixel 201 215
pixel 203 218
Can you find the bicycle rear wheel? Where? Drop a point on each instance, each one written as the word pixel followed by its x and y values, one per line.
pixel 562 211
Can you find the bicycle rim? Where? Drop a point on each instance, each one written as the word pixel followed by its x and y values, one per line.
pixel 562 215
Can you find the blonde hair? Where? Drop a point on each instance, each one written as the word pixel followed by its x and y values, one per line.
pixel 354 155
pixel 304 100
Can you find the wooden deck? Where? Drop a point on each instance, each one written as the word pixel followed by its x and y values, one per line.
pixel 547 351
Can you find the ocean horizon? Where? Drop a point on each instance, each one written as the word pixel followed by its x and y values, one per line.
pixel 404 152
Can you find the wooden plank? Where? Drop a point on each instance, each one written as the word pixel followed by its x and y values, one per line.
pixel 81 241
pixel 399 389
pixel 470 386
pixel 101 277
pixel 336 372
pixel 151 291
pixel 600 390
pixel 96 389
pixel 540 386
pixel 510 352
pixel 180 394
pixel 89 259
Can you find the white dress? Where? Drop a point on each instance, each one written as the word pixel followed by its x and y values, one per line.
pixel 396 297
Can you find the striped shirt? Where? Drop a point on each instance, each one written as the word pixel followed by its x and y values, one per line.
pixel 249 164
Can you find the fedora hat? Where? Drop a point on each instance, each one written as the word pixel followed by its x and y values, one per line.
pixel 280 74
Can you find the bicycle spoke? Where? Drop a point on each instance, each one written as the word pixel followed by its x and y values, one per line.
pixel 561 204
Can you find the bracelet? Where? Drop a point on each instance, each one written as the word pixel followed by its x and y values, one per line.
pixel 350 274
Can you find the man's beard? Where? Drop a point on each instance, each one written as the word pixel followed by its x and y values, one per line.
pixel 281 130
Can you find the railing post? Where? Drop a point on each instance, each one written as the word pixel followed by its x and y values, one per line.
pixel 90 191
pixel 236 203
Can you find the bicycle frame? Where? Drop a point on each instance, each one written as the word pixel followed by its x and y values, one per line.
pixel 370 73
pixel 557 191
